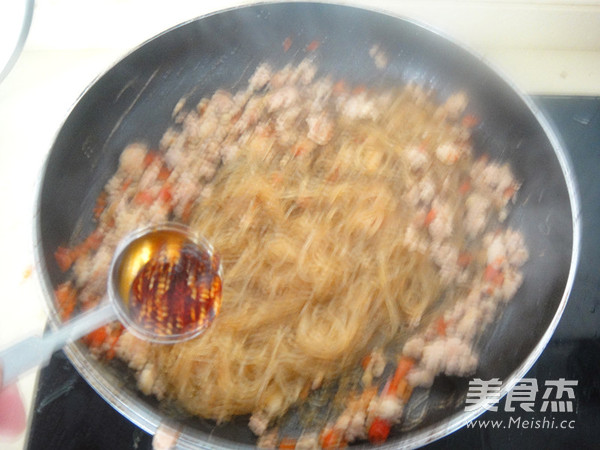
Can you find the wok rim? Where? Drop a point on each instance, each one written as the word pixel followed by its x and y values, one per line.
pixel 151 422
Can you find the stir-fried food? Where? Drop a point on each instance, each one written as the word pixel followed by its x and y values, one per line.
pixel 362 244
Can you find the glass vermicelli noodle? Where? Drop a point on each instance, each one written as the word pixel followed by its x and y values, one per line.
pixel 362 245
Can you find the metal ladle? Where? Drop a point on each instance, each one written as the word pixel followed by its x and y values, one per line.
pixel 164 285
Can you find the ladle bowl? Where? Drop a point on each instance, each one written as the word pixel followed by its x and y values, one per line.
pixel 164 285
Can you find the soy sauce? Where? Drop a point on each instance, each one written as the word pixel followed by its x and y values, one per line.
pixel 170 284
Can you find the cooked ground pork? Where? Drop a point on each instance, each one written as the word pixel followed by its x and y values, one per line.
pixel 455 206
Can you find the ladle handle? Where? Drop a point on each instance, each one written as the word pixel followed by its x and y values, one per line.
pixel 37 350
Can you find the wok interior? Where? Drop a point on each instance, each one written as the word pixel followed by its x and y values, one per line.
pixel 135 99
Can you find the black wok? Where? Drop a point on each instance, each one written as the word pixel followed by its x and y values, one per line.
pixel 134 100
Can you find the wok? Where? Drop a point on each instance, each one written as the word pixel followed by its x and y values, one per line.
pixel 134 101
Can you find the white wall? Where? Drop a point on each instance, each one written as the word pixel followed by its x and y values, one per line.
pixel 545 46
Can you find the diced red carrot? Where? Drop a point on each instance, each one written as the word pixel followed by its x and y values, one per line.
pixel 464 187
pixel 313 46
pixel 92 242
pixel 490 272
pixel 287 43
pixel 165 193
pixel 510 191
pixel 65 257
pixel 332 438
pixel 111 352
pixel 288 443
pixel 187 211
pixel 150 157
pixel 126 184
pixel 298 149
pixel 114 339
pixel 66 299
pixel 494 275
pixel 440 326
pixel 379 431
pixel 404 365
pixel 430 217
pixel 96 338
pixel 163 173
pixel 366 361
pixel 144 198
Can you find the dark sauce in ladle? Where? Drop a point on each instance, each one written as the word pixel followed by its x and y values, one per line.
pixel 169 284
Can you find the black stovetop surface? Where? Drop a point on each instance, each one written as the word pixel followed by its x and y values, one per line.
pixel 68 414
